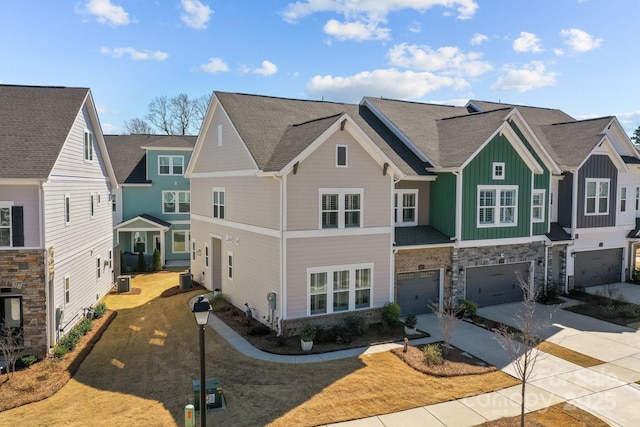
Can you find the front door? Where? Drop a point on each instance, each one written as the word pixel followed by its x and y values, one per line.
pixel 156 242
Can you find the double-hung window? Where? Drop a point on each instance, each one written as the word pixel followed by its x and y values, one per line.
pixel 176 202
pixel 5 224
pixel 67 209
pixel 180 241
pixel 596 196
pixel 139 241
pixel 623 199
pixel 406 207
pixel 340 208
pixel 170 165
pixel 339 288
pixel 497 206
pixel 218 203
pixel 537 206
pixel 93 204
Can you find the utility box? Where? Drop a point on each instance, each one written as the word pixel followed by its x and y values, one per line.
pixel 214 396
pixel 124 283
pixel 271 299
pixel 186 280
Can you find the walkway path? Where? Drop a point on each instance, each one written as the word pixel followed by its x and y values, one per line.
pixel 608 390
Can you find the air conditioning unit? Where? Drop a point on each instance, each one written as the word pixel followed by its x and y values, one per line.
pixel 124 283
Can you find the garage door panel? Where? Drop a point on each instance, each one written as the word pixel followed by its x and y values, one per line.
pixel 598 267
pixel 496 284
pixel 417 291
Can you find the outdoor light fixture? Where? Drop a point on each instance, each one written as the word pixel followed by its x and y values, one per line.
pixel 540 263
pixel 201 309
pixel 461 270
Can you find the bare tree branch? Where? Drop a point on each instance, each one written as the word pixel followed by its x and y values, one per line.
pixel 160 114
pixel 136 126
pixel 10 345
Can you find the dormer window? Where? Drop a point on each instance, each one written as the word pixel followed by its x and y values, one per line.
pixel 341 156
pixel 498 170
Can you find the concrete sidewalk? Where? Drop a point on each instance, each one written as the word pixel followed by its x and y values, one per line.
pixel 607 390
pixel 629 292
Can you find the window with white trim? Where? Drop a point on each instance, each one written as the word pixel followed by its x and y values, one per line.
pixel 596 196
pixel 497 206
pixel 623 199
pixel 218 203
pixel 139 241
pixel 537 206
pixel 219 135
pixel 230 265
pixel 340 208
pixel 176 202
pixel 5 224
pixel 193 250
pixel 11 310
pixel 498 170
pixel 637 198
pixel 92 207
pixel 67 290
pixel 88 145
pixel 349 288
pixel 98 266
pixel 170 165
pixel 113 202
pixel 341 156
pixel 406 208
pixel 180 241
pixel 67 209
pixel 206 256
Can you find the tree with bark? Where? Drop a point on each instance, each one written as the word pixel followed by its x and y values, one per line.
pixel 177 115
pixel 521 346
pixel 10 345
pixel 448 320
pixel 136 126
pixel 636 136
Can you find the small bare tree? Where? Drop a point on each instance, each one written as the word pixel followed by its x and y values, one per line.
pixel 136 126
pixel 447 319
pixel 521 347
pixel 10 345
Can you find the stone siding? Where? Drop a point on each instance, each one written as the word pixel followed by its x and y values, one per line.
pixel 24 271
pixel 424 259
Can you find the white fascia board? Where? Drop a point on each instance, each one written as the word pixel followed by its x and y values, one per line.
pixel 531 136
pixel 506 130
pixel 204 130
pixel 616 129
pixel 350 126
pixel 605 145
pixel 145 147
pixel 154 225
pixel 93 113
pixel 137 185
pixel 394 129
pixel 425 178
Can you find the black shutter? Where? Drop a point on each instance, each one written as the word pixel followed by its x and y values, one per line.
pixel 17 226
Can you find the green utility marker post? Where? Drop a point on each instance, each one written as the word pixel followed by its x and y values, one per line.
pixel 189 416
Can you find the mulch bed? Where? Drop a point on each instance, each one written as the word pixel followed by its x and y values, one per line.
pixel 455 362
pixel 178 290
pixel 247 327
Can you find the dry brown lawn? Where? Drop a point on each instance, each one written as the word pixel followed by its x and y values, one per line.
pixel 140 373
pixel 569 355
pixel 562 414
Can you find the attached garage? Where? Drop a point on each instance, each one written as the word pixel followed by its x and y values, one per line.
pixel 496 284
pixel 598 267
pixel 418 290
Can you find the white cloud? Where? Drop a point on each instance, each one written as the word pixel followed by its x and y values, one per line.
pixel 447 60
pixel 527 42
pixel 478 39
pixel 106 12
pixel 136 55
pixel 388 83
pixel 268 68
pixel 363 18
pixel 196 14
pixel 358 31
pixel 578 41
pixel 415 27
pixel 215 65
pixel 530 76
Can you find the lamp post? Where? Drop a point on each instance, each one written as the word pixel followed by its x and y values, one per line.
pixel 200 311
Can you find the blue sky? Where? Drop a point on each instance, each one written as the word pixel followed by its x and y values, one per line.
pixel 575 55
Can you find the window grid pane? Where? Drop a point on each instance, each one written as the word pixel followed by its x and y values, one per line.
pixel 329 211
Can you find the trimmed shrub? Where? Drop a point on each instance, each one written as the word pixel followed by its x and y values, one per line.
pixel 99 309
pixel 59 351
pixel 391 314
pixel 156 262
pixel 467 308
pixel 433 355
pixel 28 360
pixel 220 303
pixel 84 326
pixel 355 325
pixel 141 265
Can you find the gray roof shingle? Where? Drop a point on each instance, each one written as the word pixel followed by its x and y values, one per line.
pixel 34 124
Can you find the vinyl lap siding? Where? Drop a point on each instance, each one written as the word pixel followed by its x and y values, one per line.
pixel 319 171
pixel 28 197
pixel 423 198
pixel 479 172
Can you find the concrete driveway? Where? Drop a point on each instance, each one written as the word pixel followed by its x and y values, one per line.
pixel 629 292
pixel 608 390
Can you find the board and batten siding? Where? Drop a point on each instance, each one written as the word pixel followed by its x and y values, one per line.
pixel 227 154
pixel 423 198
pixel 442 213
pixel 304 253
pixel 597 166
pixel 27 196
pixel 564 199
pixel 319 171
pixel 248 200
pixel 256 269
pixel 479 172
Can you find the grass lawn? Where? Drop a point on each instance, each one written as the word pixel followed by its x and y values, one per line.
pixel 140 373
pixel 609 310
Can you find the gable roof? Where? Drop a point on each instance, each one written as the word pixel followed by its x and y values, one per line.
pixel 276 130
pixel 34 124
pixel 129 157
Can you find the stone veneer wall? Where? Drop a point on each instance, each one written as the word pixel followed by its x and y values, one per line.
pixel 292 327
pixel 494 255
pixel 24 269
pixel 424 259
